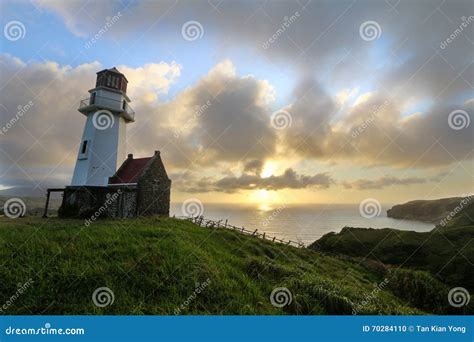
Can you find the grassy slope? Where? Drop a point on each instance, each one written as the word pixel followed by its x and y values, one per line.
pixel 425 210
pixel 152 266
pixel 447 252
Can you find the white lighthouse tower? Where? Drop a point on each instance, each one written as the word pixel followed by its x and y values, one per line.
pixel 103 142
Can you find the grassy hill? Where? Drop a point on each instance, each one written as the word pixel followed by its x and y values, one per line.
pixel 446 252
pixel 425 210
pixel 158 265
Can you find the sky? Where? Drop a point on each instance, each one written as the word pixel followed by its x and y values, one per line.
pixel 250 101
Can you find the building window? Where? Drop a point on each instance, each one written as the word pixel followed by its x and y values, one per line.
pixel 92 99
pixel 84 147
pixel 124 105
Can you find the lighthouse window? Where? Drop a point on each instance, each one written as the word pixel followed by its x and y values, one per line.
pixel 84 147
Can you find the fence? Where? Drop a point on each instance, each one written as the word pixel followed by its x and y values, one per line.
pixel 201 221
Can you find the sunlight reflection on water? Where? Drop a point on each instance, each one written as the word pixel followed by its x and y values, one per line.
pixel 305 223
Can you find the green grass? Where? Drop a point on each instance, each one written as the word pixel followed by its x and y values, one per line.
pixel 153 264
pixel 447 252
pixel 425 210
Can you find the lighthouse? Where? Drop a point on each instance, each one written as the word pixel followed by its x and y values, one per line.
pixel 103 145
pixel 106 181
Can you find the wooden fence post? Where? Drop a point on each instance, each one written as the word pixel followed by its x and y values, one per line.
pixel 45 214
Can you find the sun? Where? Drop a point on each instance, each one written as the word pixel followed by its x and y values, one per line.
pixel 263 195
pixel 268 170
pixel 264 199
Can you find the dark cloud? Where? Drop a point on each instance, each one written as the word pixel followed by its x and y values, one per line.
pixel 223 118
pixel 377 132
pixel 321 51
pixel 288 180
pixel 254 166
pixel 231 184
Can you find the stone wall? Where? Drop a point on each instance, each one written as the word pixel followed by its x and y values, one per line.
pixel 123 202
pixel 99 202
pixel 154 189
pixel 150 196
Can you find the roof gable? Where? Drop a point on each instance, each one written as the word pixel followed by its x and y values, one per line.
pixel 130 171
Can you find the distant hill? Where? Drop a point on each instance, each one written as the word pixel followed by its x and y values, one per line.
pixel 157 266
pixel 34 205
pixel 446 252
pixel 26 191
pixel 432 211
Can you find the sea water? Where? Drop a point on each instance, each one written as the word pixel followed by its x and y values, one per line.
pixel 304 223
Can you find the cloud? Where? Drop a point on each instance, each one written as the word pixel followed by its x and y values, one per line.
pixel 405 67
pixel 254 166
pixel 366 184
pixel 41 127
pixel 290 179
pixel 222 118
pixel 376 132
pixel 357 103
pixel 150 80
pixel 81 18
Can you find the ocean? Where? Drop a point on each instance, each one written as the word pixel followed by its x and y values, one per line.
pixel 304 223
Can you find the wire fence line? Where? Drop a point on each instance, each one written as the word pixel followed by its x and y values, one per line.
pixel 203 222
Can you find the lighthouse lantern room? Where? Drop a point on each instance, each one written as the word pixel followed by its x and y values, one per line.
pixel 103 144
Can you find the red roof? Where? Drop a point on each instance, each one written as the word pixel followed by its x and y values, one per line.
pixel 130 171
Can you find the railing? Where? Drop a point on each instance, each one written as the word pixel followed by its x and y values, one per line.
pixel 201 221
pixel 108 103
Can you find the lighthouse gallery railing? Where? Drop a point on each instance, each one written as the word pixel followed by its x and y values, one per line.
pixel 108 103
